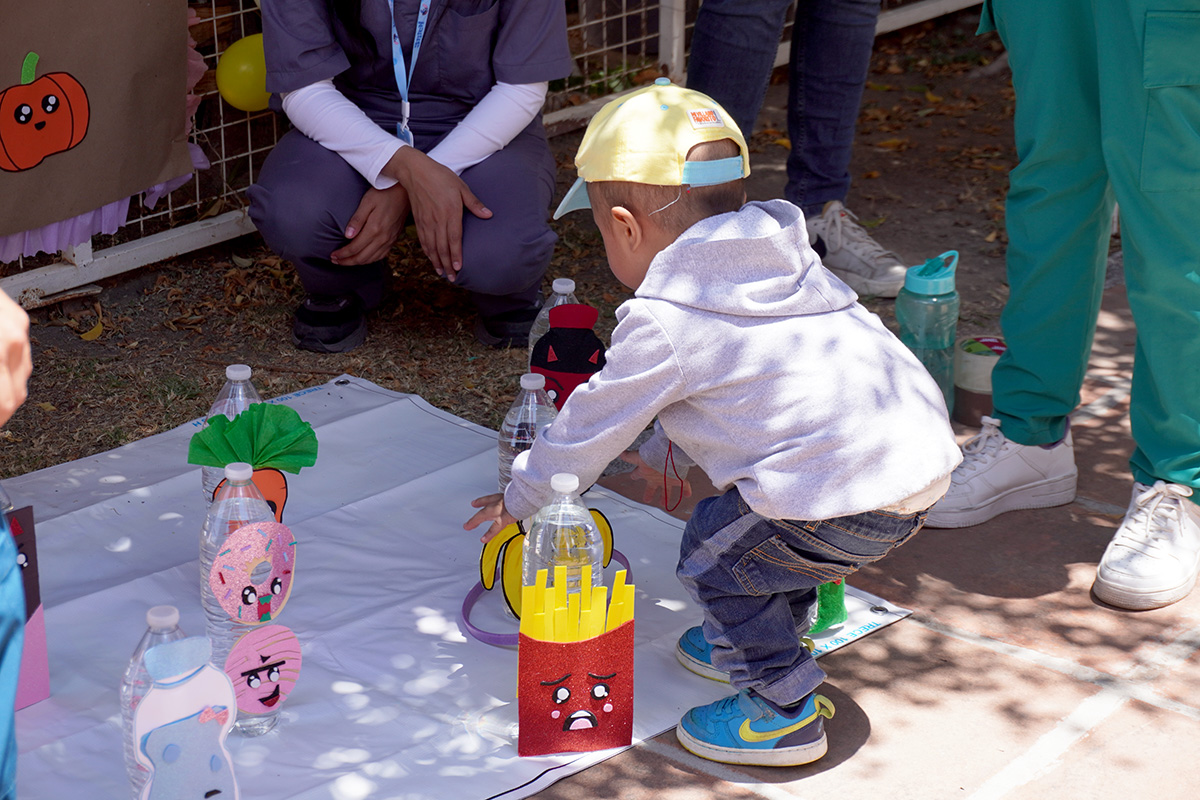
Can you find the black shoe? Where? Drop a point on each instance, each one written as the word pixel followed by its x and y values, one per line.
pixel 510 329
pixel 329 324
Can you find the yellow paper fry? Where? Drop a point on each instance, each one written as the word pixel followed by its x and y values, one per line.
pixel 599 611
pixel 573 604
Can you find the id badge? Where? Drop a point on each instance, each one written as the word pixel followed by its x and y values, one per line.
pixel 403 133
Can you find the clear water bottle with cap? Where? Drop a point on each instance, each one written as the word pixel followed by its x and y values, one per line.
pixel 162 626
pixel 532 411
pixel 238 503
pixel 927 312
pixel 562 291
pixel 564 534
pixel 235 396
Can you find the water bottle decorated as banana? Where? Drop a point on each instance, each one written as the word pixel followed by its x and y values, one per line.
pixel 503 556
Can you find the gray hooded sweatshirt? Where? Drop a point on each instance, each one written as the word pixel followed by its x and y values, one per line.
pixel 761 366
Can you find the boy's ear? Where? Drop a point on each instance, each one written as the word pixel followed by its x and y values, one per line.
pixel 626 227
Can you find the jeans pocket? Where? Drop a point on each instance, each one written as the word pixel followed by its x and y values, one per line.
pixel 777 565
pixel 1171 77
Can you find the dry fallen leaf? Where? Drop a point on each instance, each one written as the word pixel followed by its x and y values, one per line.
pixel 871 174
pixel 784 142
pixel 991 237
pixel 94 333
pixel 47 407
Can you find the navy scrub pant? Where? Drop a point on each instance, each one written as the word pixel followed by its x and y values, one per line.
pixel 305 195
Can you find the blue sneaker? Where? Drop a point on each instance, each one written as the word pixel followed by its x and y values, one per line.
pixel 747 729
pixel 695 653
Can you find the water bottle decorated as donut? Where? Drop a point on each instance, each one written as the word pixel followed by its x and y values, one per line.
pixel 247 564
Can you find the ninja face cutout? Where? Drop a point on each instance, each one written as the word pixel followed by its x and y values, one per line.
pixel 570 352
pixel 251 576
pixel 20 522
pixel 575 696
pixel 264 666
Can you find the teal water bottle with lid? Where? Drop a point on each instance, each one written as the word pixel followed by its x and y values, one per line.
pixel 927 312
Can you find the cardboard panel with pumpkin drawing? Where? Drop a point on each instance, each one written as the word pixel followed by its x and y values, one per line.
pixel 92 105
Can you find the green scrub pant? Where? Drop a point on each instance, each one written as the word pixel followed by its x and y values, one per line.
pixel 1107 108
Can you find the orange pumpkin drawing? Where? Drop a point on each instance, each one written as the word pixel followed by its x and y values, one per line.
pixel 273 485
pixel 41 117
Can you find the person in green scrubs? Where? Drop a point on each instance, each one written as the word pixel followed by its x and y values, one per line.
pixel 1107 112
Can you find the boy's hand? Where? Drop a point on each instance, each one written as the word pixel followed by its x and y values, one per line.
pixel 491 509
pixel 656 482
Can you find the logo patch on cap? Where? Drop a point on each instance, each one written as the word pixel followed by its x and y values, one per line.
pixel 705 118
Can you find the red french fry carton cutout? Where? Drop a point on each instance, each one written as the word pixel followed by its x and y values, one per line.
pixel 575 696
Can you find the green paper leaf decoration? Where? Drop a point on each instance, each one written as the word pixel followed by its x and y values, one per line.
pixel 264 435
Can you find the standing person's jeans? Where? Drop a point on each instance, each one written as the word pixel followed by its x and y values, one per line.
pixel 733 52
pixel 757 578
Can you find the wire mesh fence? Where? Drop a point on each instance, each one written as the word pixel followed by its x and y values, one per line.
pixel 617 44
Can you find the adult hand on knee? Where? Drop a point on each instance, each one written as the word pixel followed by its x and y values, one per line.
pixel 375 227
pixel 438 197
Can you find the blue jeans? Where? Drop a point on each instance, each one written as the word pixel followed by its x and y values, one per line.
pixel 733 52
pixel 756 579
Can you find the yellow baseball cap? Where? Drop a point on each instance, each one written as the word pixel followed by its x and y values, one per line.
pixel 645 136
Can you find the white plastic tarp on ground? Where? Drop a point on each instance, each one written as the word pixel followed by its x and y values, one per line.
pixel 394 700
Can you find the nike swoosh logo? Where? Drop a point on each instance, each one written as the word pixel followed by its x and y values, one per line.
pixel 823 708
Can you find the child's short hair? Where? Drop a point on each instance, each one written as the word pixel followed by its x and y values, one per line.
pixel 676 208
pixel 670 154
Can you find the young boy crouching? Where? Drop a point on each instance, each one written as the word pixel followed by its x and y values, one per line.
pixel 826 438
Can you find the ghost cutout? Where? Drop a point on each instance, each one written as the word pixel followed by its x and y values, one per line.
pixel 575 696
pixel 182 723
pixel 263 666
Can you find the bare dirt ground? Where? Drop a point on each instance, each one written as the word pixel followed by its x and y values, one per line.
pixel 148 353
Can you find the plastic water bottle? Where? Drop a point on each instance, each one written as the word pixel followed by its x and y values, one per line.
pixel 561 291
pixel 162 626
pixel 563 534
pixel 238 503
pixel 527 416
pixel 235 397
pixel 927 312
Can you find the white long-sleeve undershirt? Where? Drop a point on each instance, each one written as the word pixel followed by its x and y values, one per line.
pixel 325 115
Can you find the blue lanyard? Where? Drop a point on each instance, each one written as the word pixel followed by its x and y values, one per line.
pixel 403 77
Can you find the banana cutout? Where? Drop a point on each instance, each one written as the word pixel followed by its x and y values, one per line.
pixel 506 550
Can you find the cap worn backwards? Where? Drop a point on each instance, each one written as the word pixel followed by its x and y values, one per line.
pixel 645 136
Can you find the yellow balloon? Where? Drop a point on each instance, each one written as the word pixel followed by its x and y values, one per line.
pixel 242 74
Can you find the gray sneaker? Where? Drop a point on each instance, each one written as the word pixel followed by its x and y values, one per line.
pixel 852 255
pixel 1153 558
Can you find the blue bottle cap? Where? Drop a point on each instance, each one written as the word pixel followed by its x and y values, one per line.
pixel 935 276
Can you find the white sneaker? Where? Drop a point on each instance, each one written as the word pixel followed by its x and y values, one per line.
pixel 998 475
pixel 852 255
pixel 1154 556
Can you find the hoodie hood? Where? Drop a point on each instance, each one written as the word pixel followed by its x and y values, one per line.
pixel 754 262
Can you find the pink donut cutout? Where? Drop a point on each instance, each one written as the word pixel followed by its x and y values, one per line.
pixel 245 551
pixel 263 667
